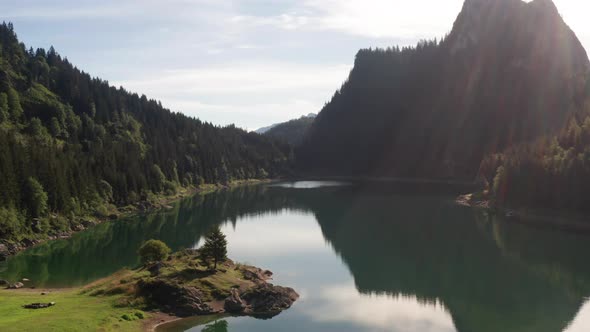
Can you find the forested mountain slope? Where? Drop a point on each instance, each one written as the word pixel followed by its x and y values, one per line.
pixel 71 144
pixel 292 132
pixel 509 72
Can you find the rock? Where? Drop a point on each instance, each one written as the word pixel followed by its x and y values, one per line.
pixel 177 299
pixel 234 303
pixel 267 298
pixel 25 280
pixel 16 285
pixel 155 268
pixel 4 252
pixel 254 274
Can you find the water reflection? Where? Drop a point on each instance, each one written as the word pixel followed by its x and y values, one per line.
pixel 363 259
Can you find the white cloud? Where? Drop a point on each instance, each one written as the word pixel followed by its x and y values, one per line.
pixel 582 321
pixel 343 303
pixel 268 92
pixel 254 235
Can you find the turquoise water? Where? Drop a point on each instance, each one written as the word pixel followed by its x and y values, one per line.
pixel 363 258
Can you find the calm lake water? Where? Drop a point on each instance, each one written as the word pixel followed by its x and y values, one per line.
pixel 363 258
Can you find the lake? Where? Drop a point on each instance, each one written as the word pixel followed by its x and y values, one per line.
pixel 378 257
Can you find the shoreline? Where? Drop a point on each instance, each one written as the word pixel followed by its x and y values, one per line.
pixel 552 219
pixel 8 249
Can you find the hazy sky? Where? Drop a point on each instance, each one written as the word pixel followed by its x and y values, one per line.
pixel 248 62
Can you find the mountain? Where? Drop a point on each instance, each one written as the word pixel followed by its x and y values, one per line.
pixel 264 130
pixel 508 72
pixel 292 131
pixel 72 145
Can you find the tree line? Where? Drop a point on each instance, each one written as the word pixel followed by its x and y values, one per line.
pixel 72 145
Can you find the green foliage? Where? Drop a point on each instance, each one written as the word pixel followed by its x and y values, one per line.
pixel 14 105
pixel 153 251
pixel 4 110
pixel 159 179
pixel 215 247
pixel 36 198
pixel 11 223
pixel 105 190
pixel 551 173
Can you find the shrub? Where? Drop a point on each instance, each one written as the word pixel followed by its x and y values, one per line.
pixel 153 251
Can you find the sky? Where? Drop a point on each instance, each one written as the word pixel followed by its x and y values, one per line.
pixel 251 63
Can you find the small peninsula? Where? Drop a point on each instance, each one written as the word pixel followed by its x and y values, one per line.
pixel 182 284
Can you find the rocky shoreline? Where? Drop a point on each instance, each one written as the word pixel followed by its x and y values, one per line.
pixel 185 286
pixel 258 298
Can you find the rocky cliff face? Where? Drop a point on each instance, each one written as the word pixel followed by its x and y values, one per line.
pixel 508 72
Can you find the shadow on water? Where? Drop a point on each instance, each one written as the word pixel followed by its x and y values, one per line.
pixel 489 274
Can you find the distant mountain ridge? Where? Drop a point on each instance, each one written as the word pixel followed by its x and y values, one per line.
pixel 263 130
pixel 508 72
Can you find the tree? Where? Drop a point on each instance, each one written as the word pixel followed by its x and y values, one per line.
pixel 4 113
pixel 16 110
pixel 159 178
pixel 106 190
pixel 217 326
pixel 153 251
pixel 36 198
pixel 215 247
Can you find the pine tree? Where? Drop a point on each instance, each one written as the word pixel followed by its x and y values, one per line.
pixel 4 113
pixel 215 247
pixel 36 198
pixel 16 110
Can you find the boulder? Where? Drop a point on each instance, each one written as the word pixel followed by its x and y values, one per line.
pixel 234 303
pixel 173 298
pixel 16 285
pixel 267 298
pixel 256 275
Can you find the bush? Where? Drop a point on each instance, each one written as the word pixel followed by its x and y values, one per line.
pixel 10 223
pixel 153 251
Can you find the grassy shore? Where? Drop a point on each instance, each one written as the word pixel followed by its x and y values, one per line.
pixel 134 299
pixel 73 311
pixel 109 304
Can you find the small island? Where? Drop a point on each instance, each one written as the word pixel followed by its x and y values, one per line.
pixel 190 282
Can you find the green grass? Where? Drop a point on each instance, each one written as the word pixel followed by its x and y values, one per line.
pixel 73 312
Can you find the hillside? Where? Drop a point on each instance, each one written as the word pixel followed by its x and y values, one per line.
pixel 292 132
pixel 72 145
pixel 508 72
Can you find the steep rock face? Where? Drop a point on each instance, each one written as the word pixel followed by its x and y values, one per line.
pixel 508 72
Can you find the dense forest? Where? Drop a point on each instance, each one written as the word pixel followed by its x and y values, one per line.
pixel 72 145
pixel 509 72
pixel 551 173
pixel 293 131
